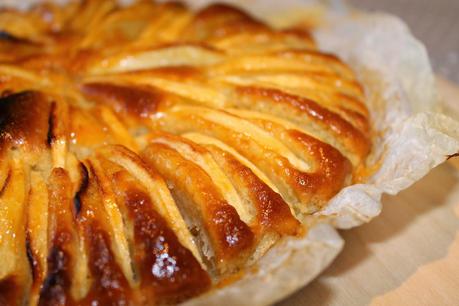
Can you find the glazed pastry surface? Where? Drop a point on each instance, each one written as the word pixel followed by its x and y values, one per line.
pixel 149 153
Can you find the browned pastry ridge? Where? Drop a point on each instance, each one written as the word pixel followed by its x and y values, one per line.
pixel 150 153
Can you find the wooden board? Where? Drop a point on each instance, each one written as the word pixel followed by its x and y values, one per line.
pixel 409 255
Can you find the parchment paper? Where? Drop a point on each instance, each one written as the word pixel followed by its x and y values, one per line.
pixel 411 136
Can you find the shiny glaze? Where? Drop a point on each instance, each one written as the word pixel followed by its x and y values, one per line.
pixel 87 130
pixel 307 188
pixel 329 168
pixel 55 289
pixel 355 139
pixel 230 237
pixel 111 240
pixel 141 103
pixel 24 120
pixel 161 261
pixel 272 211
pixel 109 285
pixel 63 242
pixel 332 169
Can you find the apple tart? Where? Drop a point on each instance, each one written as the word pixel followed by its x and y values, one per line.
pixel 150 154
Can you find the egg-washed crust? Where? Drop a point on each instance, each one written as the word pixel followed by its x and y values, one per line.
pixel 149 153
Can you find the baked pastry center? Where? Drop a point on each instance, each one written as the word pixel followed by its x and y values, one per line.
pixel 150 153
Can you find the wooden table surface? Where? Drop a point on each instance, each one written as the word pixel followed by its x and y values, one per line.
pixel 409 255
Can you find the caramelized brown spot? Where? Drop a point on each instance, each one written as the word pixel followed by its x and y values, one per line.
pixel 55 290
pixel 6 92
pixel 333 167
pixel 231 237
pixel 24 120
pixel 272 211
pixel 63 242
pixel 109 284
pixel 9 292
pixel 230 230
pixel 162 261
pixel 135 101
pixel 329 120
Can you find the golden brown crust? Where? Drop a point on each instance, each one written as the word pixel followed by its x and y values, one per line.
pixel 64 246
pixel 24 120
pixel 229 236
pixel 149 153
pixel 272 211
pixel 352 138
pixel 108 283
pixel 141 103
pixel 176 273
